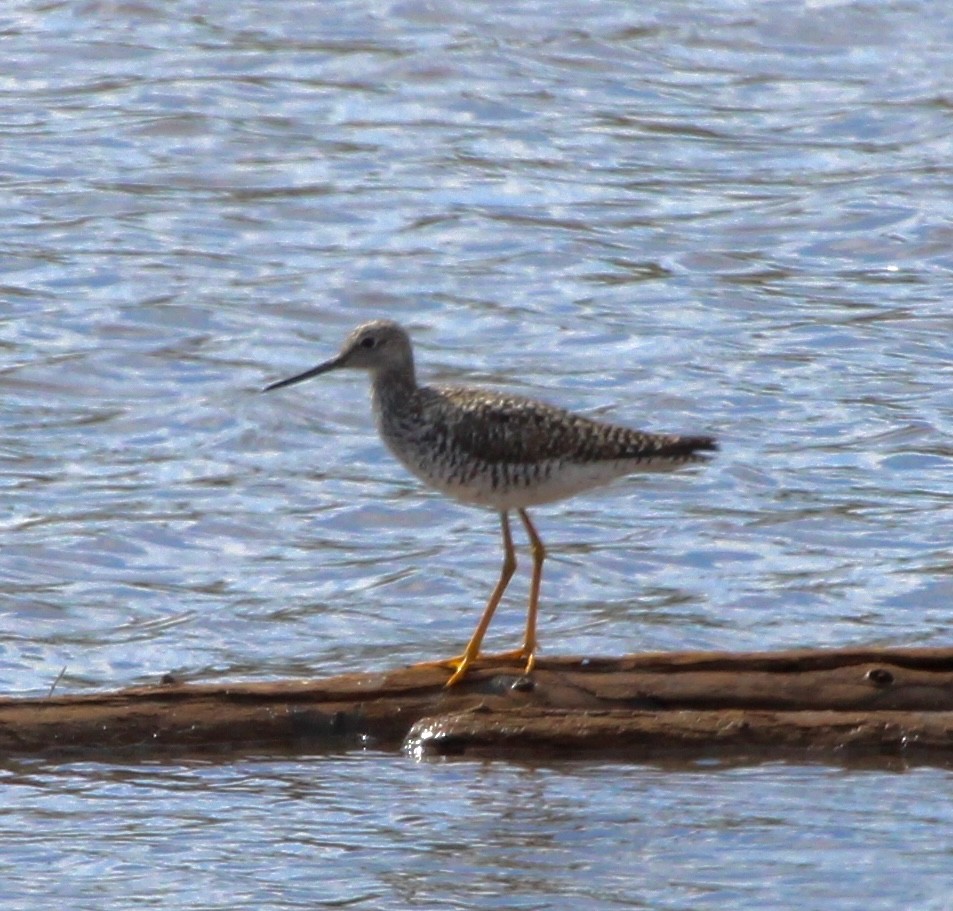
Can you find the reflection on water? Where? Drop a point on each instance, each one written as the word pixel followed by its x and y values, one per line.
pixel 727 219
pixel 377 831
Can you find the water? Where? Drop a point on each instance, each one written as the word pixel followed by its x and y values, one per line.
pixel 380 832
pixel 728 218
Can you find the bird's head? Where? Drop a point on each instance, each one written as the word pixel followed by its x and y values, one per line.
pixel 380 347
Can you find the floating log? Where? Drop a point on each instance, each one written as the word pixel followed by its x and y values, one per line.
pixel 801 703
pixel 721 734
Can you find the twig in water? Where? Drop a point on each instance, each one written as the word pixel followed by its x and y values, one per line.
pixel 59 677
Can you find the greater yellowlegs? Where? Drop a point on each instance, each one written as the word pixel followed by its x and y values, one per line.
pixel 493 449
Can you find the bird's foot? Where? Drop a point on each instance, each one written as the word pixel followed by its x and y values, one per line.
pixel 450 664
pixel 460 664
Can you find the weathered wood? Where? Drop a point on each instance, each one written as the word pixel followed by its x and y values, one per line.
pixel 722 733
pixel 803 702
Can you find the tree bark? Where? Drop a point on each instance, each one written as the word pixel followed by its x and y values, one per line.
pixel 832 704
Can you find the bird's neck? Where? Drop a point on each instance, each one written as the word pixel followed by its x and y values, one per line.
pixel 390 389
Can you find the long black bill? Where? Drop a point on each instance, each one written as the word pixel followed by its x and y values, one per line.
pixel 301 377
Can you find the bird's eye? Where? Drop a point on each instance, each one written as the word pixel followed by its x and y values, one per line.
pixel 368 341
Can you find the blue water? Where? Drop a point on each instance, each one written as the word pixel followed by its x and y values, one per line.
pixel 729 218
pixel 382 832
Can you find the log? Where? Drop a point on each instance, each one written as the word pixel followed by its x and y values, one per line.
pixel 830 703
pixel 739 735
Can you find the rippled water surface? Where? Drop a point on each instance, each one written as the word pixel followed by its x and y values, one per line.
pixel 730 217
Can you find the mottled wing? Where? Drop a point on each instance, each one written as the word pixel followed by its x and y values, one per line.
pixel 512 429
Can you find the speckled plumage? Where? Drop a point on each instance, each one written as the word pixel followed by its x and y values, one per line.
pixel 494 449
pixel 510 452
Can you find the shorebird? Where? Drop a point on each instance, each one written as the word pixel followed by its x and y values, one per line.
pixel 492 449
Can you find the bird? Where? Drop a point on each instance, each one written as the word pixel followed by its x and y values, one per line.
pixel 498 450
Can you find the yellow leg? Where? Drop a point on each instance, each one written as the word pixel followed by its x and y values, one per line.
pixel 539 554
pixel 509 567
